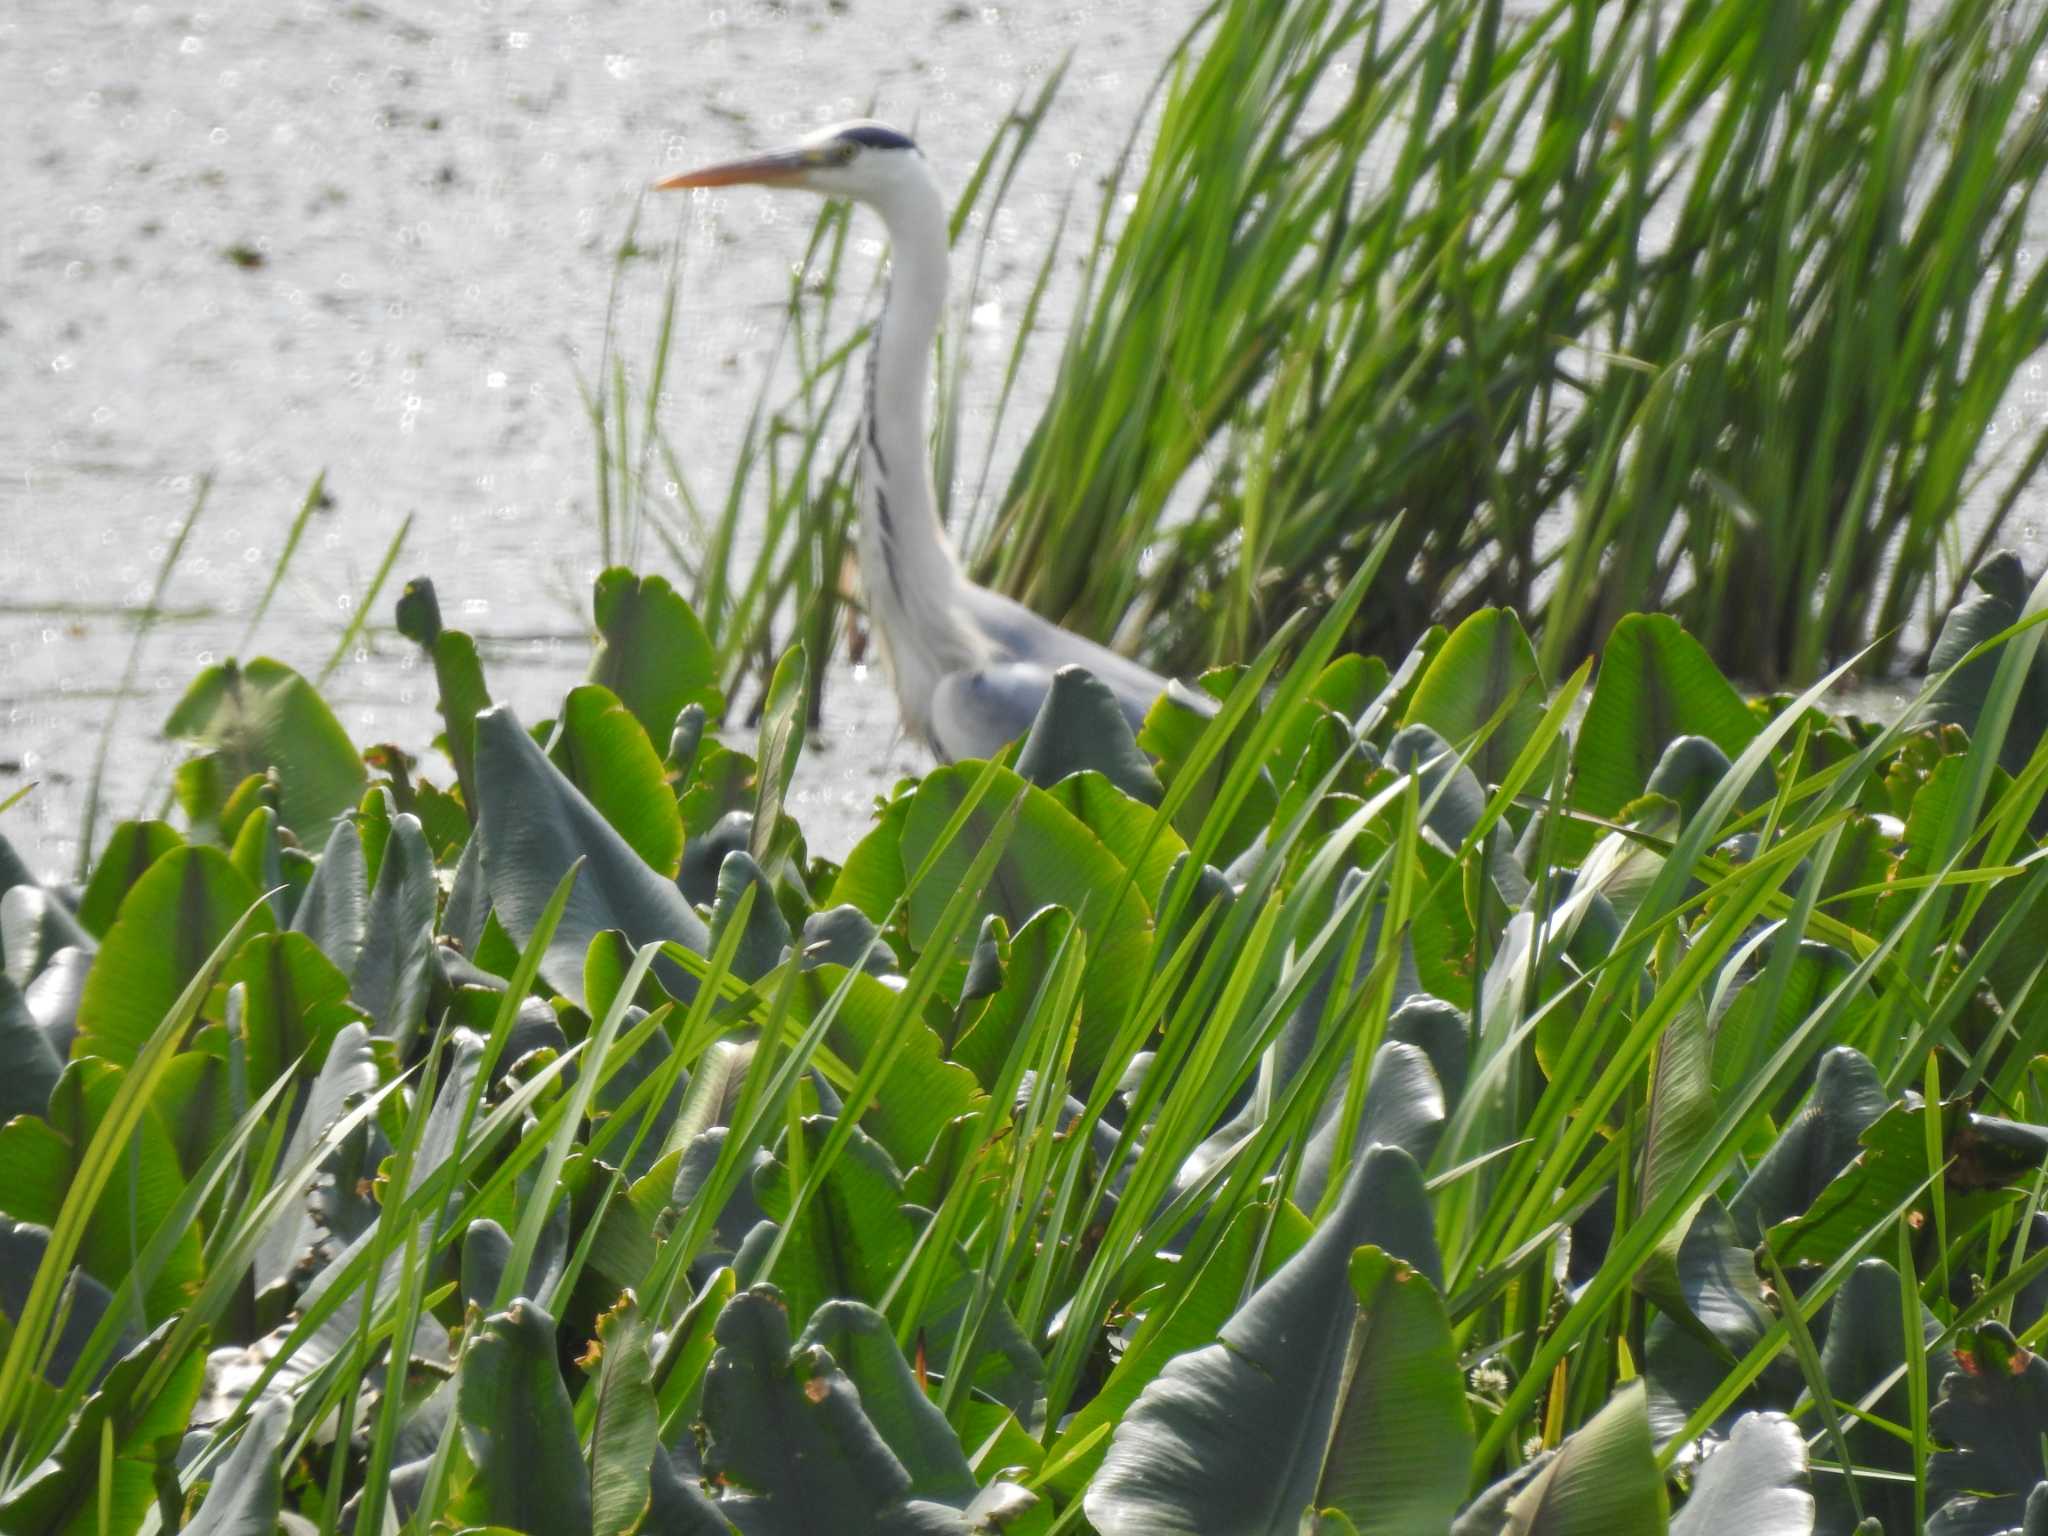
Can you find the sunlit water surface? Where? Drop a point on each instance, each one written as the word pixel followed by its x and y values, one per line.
pixel 260 240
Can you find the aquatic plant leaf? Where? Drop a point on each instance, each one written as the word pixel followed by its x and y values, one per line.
pixel 29 1061
pixel 1487 662
pixel 294 1003
pixel 1050 860
pixel 1988 1427
pixel 22 1247
pixel 1400 1448
pixel 64 1496
pixel 849 1240
pixel 1125 826
pixel 788 1436
pixel 169 923
pixel 922 1089
pixel 994 1018
pixel 625 1427
pixel 133 847
pixel 1603 1481
pixel 609 757
pixel 395 967
pixel 348 1073
pixel 263 718
pixel 1403 1107
pixel 766 936
pixel 1998 603
pixel 518 1428
pixel 844 935
pixel 651 651
pixel 34 926
pixel 1754 1483
pixel 1819 1143
pixel 1080 726
pixel 334 911
pixel 534 824
pixel 249 1487
pixel 39 1158
pixel 1193 1318
pixel 1655 684
pixel 861 1341
pixel 1234 1436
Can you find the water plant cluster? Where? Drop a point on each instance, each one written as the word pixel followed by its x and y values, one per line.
pixel 1438 1098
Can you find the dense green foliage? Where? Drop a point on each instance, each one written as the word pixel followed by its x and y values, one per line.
pixel 1451 1099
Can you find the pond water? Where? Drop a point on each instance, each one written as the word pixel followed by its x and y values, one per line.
pixel 263 240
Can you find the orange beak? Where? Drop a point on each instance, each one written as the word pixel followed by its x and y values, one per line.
pixel 781 166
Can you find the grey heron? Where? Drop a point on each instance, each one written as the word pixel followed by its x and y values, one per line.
pixel 970 666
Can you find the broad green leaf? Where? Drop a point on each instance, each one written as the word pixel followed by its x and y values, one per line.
pixel 1998 603
pixel 249 1487
pixel 872 880
pixel 1400 1451
pixel 518 1428
pixel 860 1340
pixel 1818 1144
pixel 534 825
pixel 29 1059
pixel 651 651
pixel 612 760
pixel 1081 727
pixel 40 1158
pixel 134 846
pixel 1754 1484
pixel 334 911
pixel 169 923
pixel 789 1438
pixel 921 1091
pixel 1192 1318
pixel 1052 860
pixel 396 965
pixel 348 1072
pixel 850 1239
pixel 625 1426
pixel 1991 1420
pixel 1993 1160
pixel 34 927
pixel 263 718
pixel 294 1003
pixel 1654 685
pixel 140 1410
pixel 1603 1481
pixel 765 936
pixel 1233 1437
pixel 1125 827
pixel 1486 663
pixel 22 1247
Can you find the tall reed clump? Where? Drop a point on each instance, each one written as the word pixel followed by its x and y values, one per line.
pixel 1709 308
pixel 1714 308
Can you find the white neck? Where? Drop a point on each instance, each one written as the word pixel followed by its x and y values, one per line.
pixel 912 578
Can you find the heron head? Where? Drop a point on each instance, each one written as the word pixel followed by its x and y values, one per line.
pixel 862 160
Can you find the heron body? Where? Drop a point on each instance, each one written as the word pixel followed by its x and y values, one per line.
pixel 970 666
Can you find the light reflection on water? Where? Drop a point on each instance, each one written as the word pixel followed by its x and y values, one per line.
pixel 263 241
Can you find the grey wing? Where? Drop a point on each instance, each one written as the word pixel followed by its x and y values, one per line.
pixel 1029 639
pixel 979 711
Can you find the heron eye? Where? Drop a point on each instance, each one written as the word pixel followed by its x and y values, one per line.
pixel 842 154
